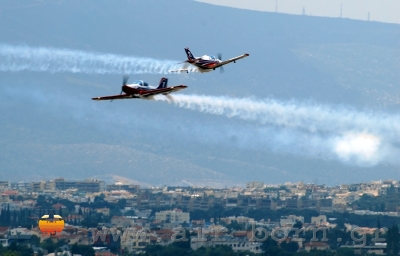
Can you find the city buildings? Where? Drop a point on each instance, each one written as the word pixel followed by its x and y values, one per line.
pixel 91 198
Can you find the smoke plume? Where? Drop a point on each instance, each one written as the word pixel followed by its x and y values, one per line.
pixel 18 58
pixel 348 134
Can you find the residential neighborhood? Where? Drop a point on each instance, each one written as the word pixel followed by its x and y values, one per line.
pixel 126 219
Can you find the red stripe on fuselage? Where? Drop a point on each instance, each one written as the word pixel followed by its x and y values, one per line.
pixel 129 90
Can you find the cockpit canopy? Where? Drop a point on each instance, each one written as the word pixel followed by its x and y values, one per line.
pixel 205 57
pixel 141 83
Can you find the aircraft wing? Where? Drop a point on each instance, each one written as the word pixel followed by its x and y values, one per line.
pixel 187 70
pixel 232 60
pixel 114 97
pixel 163 91
pixel 143 93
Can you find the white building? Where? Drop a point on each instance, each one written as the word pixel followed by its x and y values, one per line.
pixel 237 244
pixel 319 220
pixel 290 220
pixel 254 184
pixel 174 216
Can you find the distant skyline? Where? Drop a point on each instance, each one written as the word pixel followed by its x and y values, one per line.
pixel 374 10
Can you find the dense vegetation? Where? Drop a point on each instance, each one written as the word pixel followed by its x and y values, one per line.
pixel 381 203
pixel 16 250
pixel 274 215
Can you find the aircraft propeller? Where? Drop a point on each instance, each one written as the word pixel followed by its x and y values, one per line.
pixel 124 81
pixel 221 69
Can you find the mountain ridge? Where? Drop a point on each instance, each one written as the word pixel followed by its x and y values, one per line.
pixel 51 114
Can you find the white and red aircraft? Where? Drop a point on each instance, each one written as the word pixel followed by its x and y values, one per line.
pixel 207 63
pixel 142 90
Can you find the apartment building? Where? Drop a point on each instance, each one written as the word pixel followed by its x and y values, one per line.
pixel 173 216
pixel 87 185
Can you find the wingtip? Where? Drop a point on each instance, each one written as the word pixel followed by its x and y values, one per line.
pixel 247 54
pixel 182 86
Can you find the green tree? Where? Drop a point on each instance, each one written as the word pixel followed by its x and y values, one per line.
pixel 86 250
pixel 11 253
pixel 61 242
pixel 43 202
pixel 393 241
pixel 298 224
pixel 8 215
pixel 268 244
pixel 345 252
pixel 130 213
pixel 99 198
pixel 35 240
pixel 153 249
pixel 273 250
pixel 290 246
pixel 18 250
pixel 121 203
pixel 48 244
pixel 234 225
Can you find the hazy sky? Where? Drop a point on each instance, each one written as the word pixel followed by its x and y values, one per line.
pixel 379 10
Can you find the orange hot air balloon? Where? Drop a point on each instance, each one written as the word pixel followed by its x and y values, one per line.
pixel 51 224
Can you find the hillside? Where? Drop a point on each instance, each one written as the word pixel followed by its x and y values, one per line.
pixel 50 127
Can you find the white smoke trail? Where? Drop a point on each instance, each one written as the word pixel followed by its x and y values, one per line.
pixel 351 135
pixel 291 114
pixel 18 58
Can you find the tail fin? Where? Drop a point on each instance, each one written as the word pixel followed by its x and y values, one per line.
pixel 163 83
pixel 189 54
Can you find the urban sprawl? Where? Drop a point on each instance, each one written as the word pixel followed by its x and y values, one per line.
pixel 125 219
